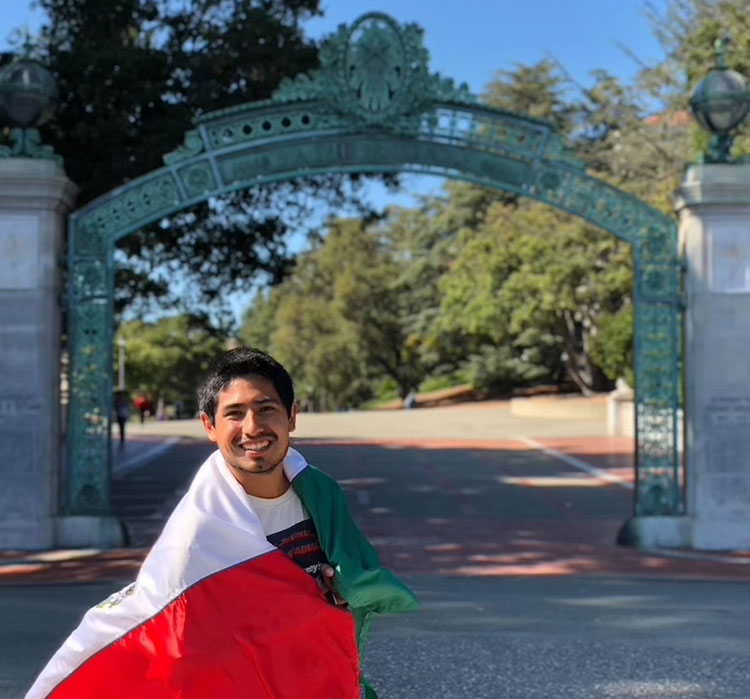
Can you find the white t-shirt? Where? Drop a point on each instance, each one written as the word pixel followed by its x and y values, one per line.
pixel 288 527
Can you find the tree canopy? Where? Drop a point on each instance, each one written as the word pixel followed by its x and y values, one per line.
pixel 132 74
pixel 472 285
pixel 166 360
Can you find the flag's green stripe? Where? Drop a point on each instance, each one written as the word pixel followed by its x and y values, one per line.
pixel 360 579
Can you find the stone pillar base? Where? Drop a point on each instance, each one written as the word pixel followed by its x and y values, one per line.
pixel 79 531
pixel 684 533
pixel 655 533
pixel 721 535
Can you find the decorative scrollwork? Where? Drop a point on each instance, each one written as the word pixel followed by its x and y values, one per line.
pixel 27 143
pixel 88 278
pixel 198 180
pixel 374 71
pixel 193 145
pixel 90 397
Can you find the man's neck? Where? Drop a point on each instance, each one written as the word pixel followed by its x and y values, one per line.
pixel 263 485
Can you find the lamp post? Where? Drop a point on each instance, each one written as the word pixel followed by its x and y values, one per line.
pixel 28 97
pixel 121 345
pixel 720 104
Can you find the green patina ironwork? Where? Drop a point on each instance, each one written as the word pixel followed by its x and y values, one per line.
pixel 373 106
pixel 27 143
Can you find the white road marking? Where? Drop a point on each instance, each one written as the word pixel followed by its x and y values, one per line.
pixel 146 456
pixel 577 463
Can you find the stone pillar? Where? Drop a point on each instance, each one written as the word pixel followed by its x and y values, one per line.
pixel 35 197
pixel 714 209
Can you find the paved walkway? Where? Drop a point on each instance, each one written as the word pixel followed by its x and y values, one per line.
pixel 586 456
pixel 503 526
pixel 490 421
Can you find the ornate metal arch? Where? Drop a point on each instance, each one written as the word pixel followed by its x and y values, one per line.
pixel 372 106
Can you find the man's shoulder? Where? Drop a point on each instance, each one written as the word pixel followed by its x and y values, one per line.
pixel 315 474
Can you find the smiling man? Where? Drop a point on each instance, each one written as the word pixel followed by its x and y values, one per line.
pixel 260 585
pixel 248 409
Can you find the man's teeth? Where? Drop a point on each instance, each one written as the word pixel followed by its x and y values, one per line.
pixel 255 446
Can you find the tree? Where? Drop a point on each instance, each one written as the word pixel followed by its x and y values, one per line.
pixel 259 321
pixel 528 287
pixel 132 74
pixel 338 319
pixel 535 90
pixel 167 359
pixel 350 314
pixel 528 284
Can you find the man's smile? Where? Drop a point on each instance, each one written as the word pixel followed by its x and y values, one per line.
pixel 255 446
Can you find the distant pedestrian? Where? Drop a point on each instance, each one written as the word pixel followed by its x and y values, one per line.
pixel 411 400
pixel 142 404
pixel 122 412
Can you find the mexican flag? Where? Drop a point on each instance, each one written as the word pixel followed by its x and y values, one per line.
pixel 218 612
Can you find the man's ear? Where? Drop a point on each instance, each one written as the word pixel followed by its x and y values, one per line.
pixel 293 417
pixel 208 425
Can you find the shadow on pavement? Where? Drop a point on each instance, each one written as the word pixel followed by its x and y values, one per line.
pixel 469 512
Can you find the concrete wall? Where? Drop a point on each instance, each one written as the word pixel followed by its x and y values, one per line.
pixel 563 407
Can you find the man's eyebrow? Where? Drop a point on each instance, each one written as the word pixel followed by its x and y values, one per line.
pixel 260 401
pixel 269 399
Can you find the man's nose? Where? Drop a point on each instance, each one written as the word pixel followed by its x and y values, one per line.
pixel 251 424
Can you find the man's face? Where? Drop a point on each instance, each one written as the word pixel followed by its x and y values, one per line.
pixel 251 427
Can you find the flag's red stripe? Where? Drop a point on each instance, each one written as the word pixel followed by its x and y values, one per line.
pixel 260 630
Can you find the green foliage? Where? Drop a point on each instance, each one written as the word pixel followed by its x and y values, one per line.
pixel 612 346
pixel 168 359
pixel 438 383
pixel 386 389
pixel 528 287
pixel 502 291
pixel 132 74
pixel 258 324
pixel 533 90
pixel 354 312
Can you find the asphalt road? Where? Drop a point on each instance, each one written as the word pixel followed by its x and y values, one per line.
pixel 493 638
pixel 510 550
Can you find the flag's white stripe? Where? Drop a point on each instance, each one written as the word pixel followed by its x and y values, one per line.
pixel 212 528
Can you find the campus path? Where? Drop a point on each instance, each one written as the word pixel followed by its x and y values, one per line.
pixel 504 526
pixel 476 422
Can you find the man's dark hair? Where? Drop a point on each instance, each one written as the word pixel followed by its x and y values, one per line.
pixel 239 363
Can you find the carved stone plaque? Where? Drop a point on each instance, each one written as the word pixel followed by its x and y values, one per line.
pixel 18 252
pixel 729 258
pixel 728 438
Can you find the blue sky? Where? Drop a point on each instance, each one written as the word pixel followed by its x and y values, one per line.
pixel 469 40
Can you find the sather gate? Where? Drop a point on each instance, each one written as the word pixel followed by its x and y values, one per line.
pixel 372 106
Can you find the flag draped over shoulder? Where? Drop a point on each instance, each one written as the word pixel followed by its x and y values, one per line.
pixel 217 611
